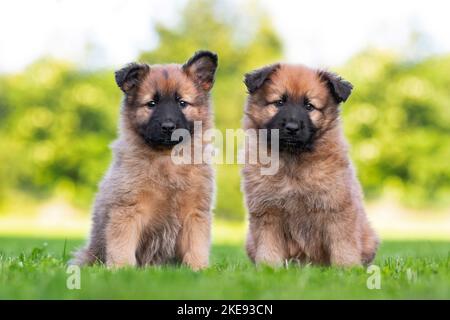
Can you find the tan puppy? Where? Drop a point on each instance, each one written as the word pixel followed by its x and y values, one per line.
pixel 150 210
pixel 311 210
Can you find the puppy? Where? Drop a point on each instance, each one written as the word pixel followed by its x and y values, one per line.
pixel 150 210
pixel 311 210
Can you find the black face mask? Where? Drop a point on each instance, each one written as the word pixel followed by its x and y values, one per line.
pixel 166 118
pixel 296 130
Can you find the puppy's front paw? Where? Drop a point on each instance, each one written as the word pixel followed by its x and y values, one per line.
pixel 195 262
pixel 345 258
pixel 117 263
pixel 264 257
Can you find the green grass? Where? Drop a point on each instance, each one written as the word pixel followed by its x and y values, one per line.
pixel 34 268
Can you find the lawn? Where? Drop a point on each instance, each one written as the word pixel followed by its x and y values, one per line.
pixel 35 268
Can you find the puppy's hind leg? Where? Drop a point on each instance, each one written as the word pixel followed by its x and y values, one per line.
pixel 83 257
pixel 250 246
pixel 94 251
pixel 370 243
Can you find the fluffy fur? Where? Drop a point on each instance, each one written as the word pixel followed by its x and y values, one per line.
pixel 149 210
pixel 311 210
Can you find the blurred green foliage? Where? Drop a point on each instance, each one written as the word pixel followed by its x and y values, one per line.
pixel 57 120
pixel 398 122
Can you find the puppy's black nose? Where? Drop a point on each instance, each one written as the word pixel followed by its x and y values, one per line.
pixel 292 127
pixel 168 126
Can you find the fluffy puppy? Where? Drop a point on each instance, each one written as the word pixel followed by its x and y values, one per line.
pixel 150 210
pixel 311 210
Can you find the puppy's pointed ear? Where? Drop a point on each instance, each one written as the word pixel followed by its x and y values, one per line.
pixel 129 76
pixel 256 78
pixel 339 87
pixel 201 68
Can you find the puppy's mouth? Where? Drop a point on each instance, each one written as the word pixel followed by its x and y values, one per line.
pixel 292 144
pixel 162 142
pixel 296 145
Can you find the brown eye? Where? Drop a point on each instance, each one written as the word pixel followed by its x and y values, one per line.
pixel 151 104
pixel 182 103
pixel 279 103
pixel 309 106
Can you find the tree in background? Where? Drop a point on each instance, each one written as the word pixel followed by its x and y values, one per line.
pixel 57 122
pixel 398 122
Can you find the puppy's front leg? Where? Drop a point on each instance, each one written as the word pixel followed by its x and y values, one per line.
pixel 268 237
pixel 344 247
pixel 194 240
pixel 122 237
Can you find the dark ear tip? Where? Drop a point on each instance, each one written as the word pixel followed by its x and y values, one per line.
pixel 253 80
pixel 130 66
pixel 120 75
pixel 202 54
pixel 248 77
pixel 340 88
pixel 128 71
pixel 350 85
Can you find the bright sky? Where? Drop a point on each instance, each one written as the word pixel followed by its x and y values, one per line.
pixel 315 32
